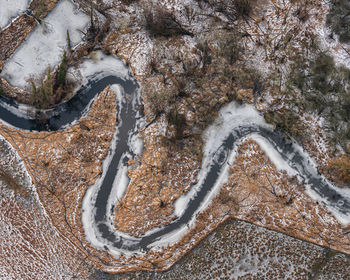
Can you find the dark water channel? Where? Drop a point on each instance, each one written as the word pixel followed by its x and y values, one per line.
pixel 73 109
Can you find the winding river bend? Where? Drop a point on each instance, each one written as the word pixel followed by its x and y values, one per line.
pixel 97 209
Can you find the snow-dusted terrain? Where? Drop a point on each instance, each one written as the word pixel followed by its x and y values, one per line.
pixel 31 246
pixel 239 122
pixel 44 47
pixel 9 9
pixel 242 122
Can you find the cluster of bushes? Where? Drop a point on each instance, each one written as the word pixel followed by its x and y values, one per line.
pixel 338 19
pixel 288 121
pixel 224 63
pixel 221 67
pixel 319 87
pixel 52 87
pixel 161 22
pixel 315 84
pixel 324 88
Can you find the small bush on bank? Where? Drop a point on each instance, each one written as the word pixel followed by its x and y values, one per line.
pixel 230 48
pixel 243 8
pixel 158 97
pixel 39 8
pixel 42 96
pixel 179 121
pixel 161 22
pixel 339 169
pixel 62 72
pixel 287 121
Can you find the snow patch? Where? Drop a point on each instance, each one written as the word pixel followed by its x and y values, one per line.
pixel 97 66
pixel 44 47
pixel 11 9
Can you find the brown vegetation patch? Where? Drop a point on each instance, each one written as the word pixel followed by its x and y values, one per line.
pixel 30 246
pixel 165 171
pixel 271 199
pixel 64 164
pixel 14 35
pixel 41 8
pixel 11 182
pixel 338 170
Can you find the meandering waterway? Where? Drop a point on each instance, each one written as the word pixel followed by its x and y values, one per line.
pixel 97 210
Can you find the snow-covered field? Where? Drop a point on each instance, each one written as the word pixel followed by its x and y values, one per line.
pixel 45 46
pixel 10 9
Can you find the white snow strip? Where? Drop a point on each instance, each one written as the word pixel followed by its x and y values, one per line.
pixel 120 184
pixel 273 155
pixel 45 45
pixel 230 117
pixel 10 9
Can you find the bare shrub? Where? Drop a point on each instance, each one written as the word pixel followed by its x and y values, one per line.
pixel 302 13
pixel 243 8
pixel 179 121
pixel 233 9
pixel 128 2
pixel 339 19
pixel 161 22
pixel 158 97
pixel 339 169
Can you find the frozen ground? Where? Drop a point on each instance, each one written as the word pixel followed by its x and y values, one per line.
pixel 238 250
pixel 10 9
pixel 45 46
pixel 30 246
